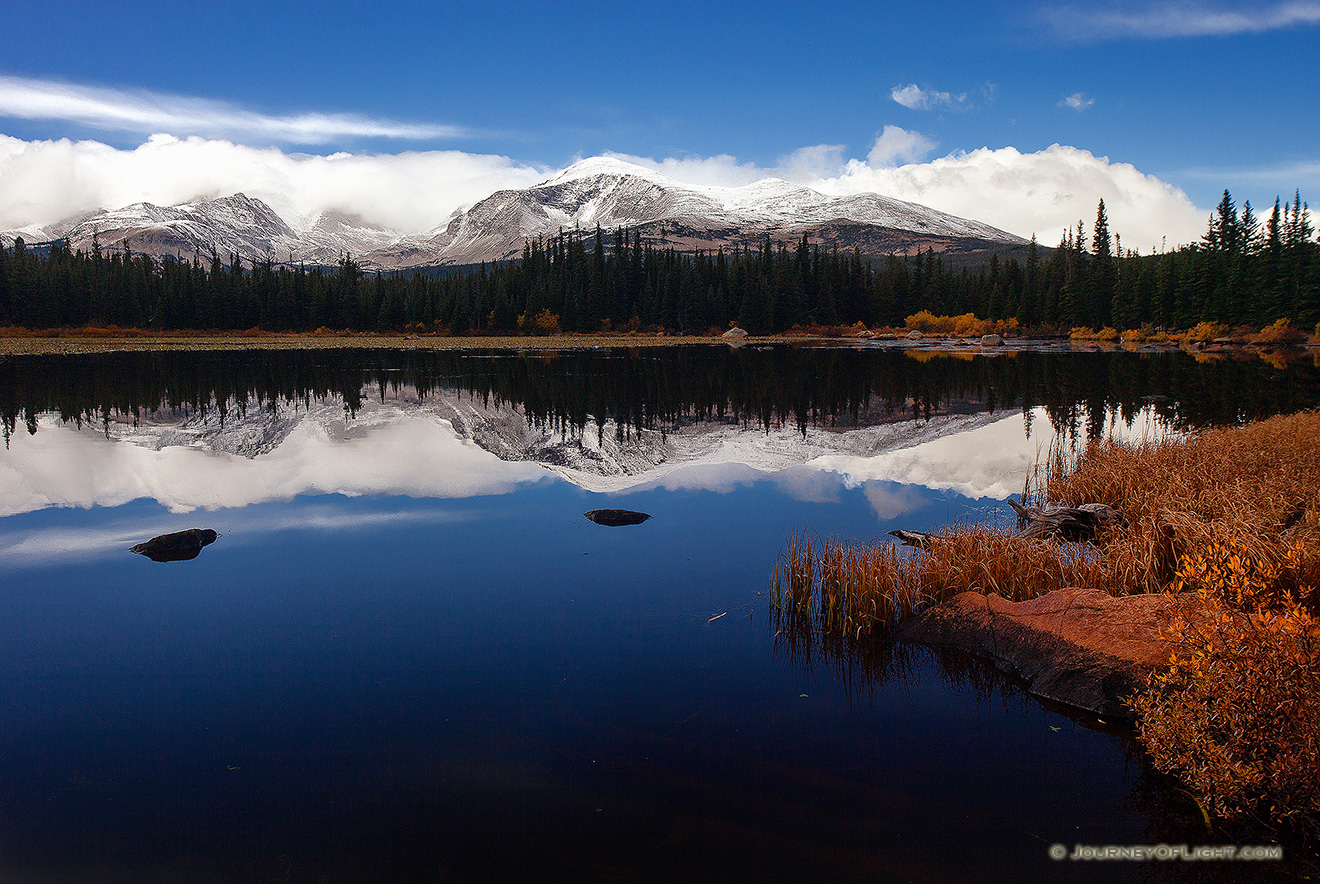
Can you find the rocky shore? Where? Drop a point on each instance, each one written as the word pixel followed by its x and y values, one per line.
pixel 1082 648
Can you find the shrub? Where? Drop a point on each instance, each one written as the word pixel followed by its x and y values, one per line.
pixel 1086 333
pixel 1237 713
pixel 965 326
pixel 543 323
pixel 1205 331
pixel 1280 334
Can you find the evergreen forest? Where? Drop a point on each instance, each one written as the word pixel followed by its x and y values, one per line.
pixel 1243 271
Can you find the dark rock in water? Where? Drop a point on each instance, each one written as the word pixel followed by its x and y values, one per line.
pixel 615 518
pixel 177 547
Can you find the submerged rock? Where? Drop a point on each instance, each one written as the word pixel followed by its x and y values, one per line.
pixel 1079 647
pixel 615 518
pixel 177 547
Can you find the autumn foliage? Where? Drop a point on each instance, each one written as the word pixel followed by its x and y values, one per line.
pixel 1236 715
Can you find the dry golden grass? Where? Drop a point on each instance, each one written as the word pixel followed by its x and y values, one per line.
pixel 1257 486
pixel 854 591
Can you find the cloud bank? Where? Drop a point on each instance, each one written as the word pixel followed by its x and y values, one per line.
pixel 1042 193
pixel 1039 193
pixel 42 182
pixel 145 112
pixel 1182 19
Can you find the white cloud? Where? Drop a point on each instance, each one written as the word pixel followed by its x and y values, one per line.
pixel 1182 19
pixel 1078 101
pixel 802 166
pixel 145 112
pixel 1039 193
pixel 897 145
pixel 44 181
pixel 916 98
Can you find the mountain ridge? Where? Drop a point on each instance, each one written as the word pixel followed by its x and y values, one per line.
pixel 597 192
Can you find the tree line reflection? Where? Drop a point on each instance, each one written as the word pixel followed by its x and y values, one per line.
pixel 576 391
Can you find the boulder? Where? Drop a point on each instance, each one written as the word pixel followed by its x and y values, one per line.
pixel 991 340
pixel 735 333
pixel 915 335
pixel 1082 648
pixel 177 547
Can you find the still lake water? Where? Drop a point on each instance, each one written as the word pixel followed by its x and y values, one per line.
pixel 410 658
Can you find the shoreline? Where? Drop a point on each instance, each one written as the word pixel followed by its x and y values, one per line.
pixel 75 342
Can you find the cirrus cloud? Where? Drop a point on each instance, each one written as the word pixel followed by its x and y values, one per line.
pixel 144 112
pixel 1182 19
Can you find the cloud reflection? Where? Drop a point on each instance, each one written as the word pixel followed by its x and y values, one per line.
pixel 417 456
pixel 393 450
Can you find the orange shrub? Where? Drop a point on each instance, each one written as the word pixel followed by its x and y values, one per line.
pixel 1280 334
pixel 1205 331
pixel 964 326
pixel 1237 713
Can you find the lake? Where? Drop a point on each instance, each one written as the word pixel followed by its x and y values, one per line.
pixel 409 657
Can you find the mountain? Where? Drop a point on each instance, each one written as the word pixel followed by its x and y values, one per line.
pixel 234 224
pixel 600 191
pixel 612 193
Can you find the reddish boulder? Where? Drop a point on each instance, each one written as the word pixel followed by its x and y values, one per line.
pixel 1080 647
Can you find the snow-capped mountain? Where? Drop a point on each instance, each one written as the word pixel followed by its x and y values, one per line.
pixel 602 191
pixel 234 224
pixel 612 193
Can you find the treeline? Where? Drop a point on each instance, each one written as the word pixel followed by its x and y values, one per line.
pixel 1243 272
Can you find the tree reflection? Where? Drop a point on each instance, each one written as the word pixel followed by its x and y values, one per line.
pixel 577 391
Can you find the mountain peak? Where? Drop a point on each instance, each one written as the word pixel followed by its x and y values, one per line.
pixel 593 167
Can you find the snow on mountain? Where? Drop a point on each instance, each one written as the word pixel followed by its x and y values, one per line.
pixel 612 193
pixel 235 223
pixel 600 191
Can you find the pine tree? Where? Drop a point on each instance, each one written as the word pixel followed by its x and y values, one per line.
pixel 1103 272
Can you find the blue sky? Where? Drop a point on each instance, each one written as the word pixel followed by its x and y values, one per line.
pixel 1195 96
